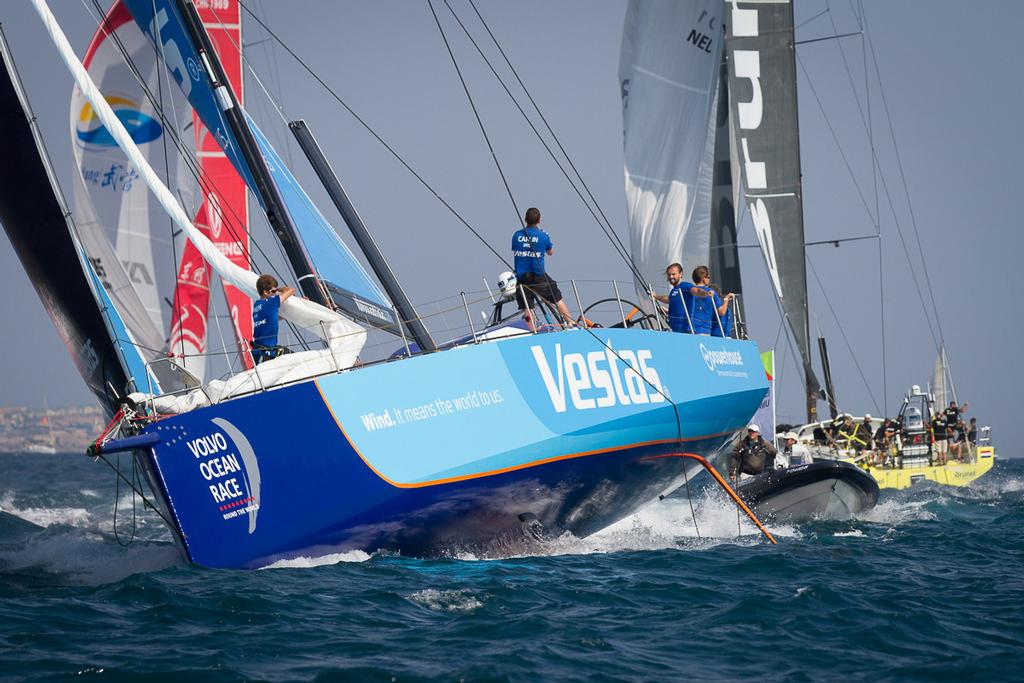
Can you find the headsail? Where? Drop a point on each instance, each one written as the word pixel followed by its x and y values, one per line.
pixel 762 82
pixel 311 243
pixel 130 251
pixel 668 71
pixel 36 219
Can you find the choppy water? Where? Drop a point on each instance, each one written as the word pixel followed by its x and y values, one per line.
pixel 928 586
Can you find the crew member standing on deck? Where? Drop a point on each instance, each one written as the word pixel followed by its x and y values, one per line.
pixel 679 299
pixel 707 311
pixel 529 245
pixel 266 313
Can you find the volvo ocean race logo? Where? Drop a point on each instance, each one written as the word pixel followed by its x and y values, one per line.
pixel 228 465
pixel 599 379
pixel 715 359
pixel 141 127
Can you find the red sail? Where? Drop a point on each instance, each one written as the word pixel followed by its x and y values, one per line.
pixel 224 214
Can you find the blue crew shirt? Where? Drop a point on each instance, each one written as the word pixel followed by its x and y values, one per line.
pixel 716 329
pixel 265 321
pixel 528 248
pixel 703 312
pixel 679 302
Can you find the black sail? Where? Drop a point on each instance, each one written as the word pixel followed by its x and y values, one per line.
pixel 724 259
pixel 35 218
pixel 762 82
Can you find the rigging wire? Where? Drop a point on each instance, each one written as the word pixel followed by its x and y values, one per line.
pixel 476 114
pixel 206 185
pixel 376 136
pixel 158 51
pixel 885 187
pixel 845 338
pixel 903 179
pixel 608 231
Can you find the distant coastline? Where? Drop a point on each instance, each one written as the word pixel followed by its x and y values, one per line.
pixel 64 430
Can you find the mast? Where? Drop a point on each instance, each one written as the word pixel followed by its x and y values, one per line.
pixel 277 214
pixel 830 390
pixel 763 106
pixel 362 235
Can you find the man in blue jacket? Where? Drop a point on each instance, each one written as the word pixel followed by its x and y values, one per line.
pixel 529 246
pixel 680 299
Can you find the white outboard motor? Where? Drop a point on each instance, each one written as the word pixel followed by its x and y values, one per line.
pixel 507 284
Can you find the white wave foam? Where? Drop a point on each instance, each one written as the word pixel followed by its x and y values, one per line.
pixel 856 533
pixel 458 600
pixel 89 493
pixel 309 562
pixel 896 512
pixel 77 517
pixel 80 557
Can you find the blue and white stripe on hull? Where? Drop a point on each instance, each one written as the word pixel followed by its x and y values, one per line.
pixel 452 449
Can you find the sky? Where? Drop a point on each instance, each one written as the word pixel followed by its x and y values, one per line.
pixel 949 72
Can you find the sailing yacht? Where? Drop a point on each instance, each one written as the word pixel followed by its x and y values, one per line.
pixel 450 447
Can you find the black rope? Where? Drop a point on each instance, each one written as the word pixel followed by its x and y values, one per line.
pixel 376 136
pixel 476 113
pixel 608 231
pixel 136 489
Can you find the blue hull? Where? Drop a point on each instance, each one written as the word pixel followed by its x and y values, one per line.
pixel 452 451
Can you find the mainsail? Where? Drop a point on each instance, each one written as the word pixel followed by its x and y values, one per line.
pixel 328 272
pixel 668 71
pixel 762 83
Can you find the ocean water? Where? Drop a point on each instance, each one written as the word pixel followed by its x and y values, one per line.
pixel 927 586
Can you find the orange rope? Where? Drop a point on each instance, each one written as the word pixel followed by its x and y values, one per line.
pixel 724 484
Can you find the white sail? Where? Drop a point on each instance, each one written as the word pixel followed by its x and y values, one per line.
pixel 344 338
pixel 668 71
pixel 110 199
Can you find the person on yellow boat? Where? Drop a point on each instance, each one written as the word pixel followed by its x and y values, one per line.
pixel 853 435
pixel 940 436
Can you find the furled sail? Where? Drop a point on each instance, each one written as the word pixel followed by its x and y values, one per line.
pixel 126 236
pixel 36 219
pixel 724 260
pixel 668 71
pixel 762 83
pixel 320 251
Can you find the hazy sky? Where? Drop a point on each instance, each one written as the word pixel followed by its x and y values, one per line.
pixel 951 76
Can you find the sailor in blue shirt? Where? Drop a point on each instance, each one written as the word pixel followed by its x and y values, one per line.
pixel 529 246
pixel 680 300
pixel 266 313
pixel 707 311
pixel 722 327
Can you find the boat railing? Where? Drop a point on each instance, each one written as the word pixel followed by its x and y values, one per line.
pixel 464 319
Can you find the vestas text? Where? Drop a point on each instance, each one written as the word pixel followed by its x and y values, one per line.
pixel 599 379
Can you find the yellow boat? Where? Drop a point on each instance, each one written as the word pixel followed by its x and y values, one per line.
pixel 950 474
pixel 913 457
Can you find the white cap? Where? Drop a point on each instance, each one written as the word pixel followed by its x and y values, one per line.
pixel 867 416
pixel 753 428
pixel 789 435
